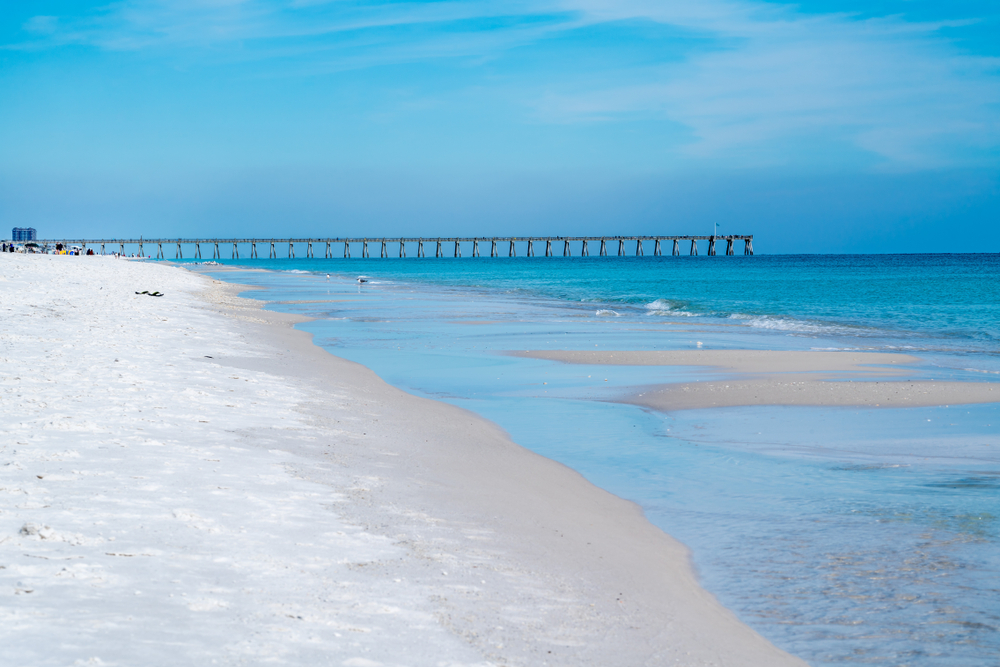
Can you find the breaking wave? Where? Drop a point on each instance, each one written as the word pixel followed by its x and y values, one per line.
pixel 804 327
pixel 665 307
pixel 779 323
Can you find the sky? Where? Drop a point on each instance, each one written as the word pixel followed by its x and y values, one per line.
pixel 822 126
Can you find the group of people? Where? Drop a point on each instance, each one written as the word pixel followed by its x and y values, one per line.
pixel 59 250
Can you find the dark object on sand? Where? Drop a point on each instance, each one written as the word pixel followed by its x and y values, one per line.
pixel 148 293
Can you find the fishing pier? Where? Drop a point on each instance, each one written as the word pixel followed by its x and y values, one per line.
pixel 497 246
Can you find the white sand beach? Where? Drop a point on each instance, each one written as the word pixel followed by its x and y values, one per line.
pixel 186 479
pixel 772 377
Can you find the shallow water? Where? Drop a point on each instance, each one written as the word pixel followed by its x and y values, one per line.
pixel 929 301
pixel 843 535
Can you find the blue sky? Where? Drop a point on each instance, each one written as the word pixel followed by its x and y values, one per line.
pixel 840 126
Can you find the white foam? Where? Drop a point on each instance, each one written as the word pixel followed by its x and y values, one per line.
pixel 782 324
pixel 672 313
pixel 660 304
pixel 664 307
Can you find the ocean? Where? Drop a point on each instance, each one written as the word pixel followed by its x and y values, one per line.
pixel 843 535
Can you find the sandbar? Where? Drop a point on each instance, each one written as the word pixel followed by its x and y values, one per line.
pixel 777 377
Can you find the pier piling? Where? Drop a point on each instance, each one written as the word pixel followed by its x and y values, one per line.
pixel 511 241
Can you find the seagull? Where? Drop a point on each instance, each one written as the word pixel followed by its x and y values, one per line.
pixel 328 276
pixel 362 280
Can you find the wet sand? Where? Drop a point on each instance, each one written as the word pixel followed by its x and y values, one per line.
pixel 588 580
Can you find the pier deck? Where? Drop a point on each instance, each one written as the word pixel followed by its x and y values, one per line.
pixel 497 245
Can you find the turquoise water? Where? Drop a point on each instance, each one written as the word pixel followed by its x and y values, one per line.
pixel 953 299
pixel 843 535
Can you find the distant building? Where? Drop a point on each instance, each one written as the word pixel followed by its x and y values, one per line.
pixel 24 234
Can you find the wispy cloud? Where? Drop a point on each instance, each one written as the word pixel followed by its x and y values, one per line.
pixel 787 83
pixel 263 24
pixel 778 87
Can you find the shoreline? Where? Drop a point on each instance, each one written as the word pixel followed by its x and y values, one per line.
pixel 637 586
pixel 783 378
pixel 320 511
pixel 697 473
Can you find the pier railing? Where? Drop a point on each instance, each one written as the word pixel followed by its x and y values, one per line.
pixel 442 246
